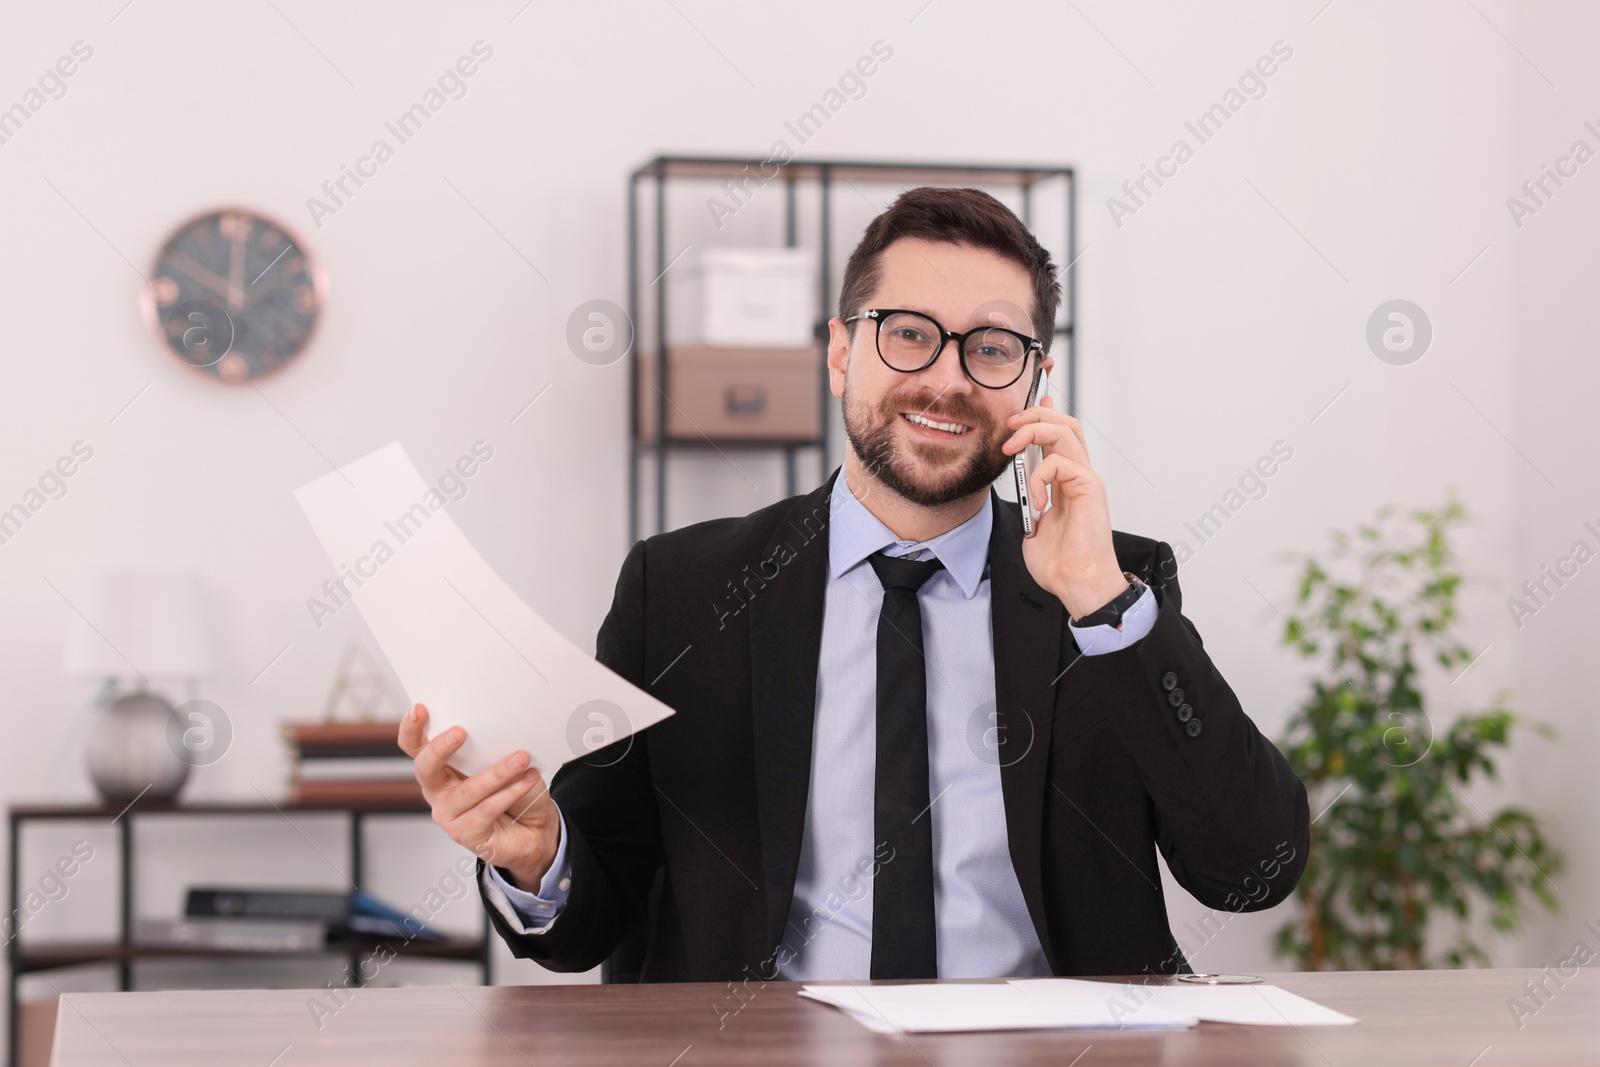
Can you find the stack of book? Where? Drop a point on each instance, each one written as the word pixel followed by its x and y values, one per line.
pixel 278 920
pixel 232 935
pixel 350 763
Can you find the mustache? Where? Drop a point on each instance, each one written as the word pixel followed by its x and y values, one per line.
pixel 928 404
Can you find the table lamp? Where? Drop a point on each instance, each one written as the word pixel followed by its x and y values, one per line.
pixel 137 629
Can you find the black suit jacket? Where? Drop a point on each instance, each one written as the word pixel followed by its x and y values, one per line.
pixel 685 838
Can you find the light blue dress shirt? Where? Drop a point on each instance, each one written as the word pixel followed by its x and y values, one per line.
pixel 982 921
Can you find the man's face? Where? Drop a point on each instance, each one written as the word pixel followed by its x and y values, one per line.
pixel 960 287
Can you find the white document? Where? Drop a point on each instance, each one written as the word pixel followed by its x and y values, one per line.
pixel 460 641
pixel 1258 1004
pixel 947 1007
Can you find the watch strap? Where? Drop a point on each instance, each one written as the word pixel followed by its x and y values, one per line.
pixel 1111 614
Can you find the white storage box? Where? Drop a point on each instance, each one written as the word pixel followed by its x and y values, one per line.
pixel 765 297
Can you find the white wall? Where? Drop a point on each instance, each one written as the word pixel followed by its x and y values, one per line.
pixel 1221 317
pixel 1556 270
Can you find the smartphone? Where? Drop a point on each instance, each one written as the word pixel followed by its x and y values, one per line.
pixel 1023 463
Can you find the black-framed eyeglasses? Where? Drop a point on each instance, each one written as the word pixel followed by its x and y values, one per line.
pixel 909 341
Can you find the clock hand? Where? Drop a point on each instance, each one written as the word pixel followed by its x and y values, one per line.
pixel 236 273
pixel 213 282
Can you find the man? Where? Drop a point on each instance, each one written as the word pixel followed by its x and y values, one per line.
pixel 908 741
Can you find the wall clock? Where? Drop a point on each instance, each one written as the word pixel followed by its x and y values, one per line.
pixel 234 294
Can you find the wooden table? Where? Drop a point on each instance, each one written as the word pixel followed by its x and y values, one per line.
pixel 1447 1018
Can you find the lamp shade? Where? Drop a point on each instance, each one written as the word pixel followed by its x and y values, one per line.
pixel 147 623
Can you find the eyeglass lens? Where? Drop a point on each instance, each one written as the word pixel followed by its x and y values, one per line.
pixel 907 341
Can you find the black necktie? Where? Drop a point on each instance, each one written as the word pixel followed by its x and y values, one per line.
pixel 904 939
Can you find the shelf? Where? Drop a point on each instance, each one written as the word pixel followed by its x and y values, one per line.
pixel 124 954
pixel 732 442
pixel 650 244
pixel 714 168
pixel 219 807
pixel 49 955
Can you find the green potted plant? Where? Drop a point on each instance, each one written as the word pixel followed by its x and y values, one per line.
pixel 1401 856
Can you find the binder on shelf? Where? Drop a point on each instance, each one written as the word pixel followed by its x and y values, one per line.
pixel 373 918
pixel 304 905
pixel 340 913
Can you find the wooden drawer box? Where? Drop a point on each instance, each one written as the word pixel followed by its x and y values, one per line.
pixel 758 393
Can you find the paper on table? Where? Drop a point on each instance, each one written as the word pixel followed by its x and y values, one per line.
pixel 948 1007
pixel 459 639
pixel 1255 1005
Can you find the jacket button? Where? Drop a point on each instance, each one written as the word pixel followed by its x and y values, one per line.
pixel 1169 680
pixel 1184 713
pixel 1193 728
pixel 1175 697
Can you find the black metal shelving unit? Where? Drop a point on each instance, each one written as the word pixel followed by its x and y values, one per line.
pixel 124 951
pixel 651 180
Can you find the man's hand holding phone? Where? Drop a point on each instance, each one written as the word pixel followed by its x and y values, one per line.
pixel 503 815
pixel 1072 555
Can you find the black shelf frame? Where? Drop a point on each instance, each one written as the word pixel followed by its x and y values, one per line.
pixel 124 952
pixel 825 174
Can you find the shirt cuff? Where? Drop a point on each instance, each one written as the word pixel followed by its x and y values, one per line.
pixel 1137 621
pixel 532 913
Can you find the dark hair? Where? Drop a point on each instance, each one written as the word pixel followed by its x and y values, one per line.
pixel 957 216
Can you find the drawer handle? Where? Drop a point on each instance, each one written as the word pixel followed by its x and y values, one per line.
pixel 745 401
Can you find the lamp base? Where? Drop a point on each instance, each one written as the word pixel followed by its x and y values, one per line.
pixel 129 755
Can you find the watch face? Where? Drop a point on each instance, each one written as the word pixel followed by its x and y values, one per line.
pixel 234 294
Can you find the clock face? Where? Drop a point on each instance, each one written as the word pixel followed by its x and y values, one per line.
pixel 234 294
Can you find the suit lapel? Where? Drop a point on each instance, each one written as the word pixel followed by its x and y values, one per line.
pixel 1027 623
pixel 785 646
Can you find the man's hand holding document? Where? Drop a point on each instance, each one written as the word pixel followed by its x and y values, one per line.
pixel 502 699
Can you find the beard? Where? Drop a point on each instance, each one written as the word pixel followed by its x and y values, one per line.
pixel 921 471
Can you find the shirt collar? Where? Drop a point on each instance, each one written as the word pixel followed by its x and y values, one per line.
pixel 854 533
